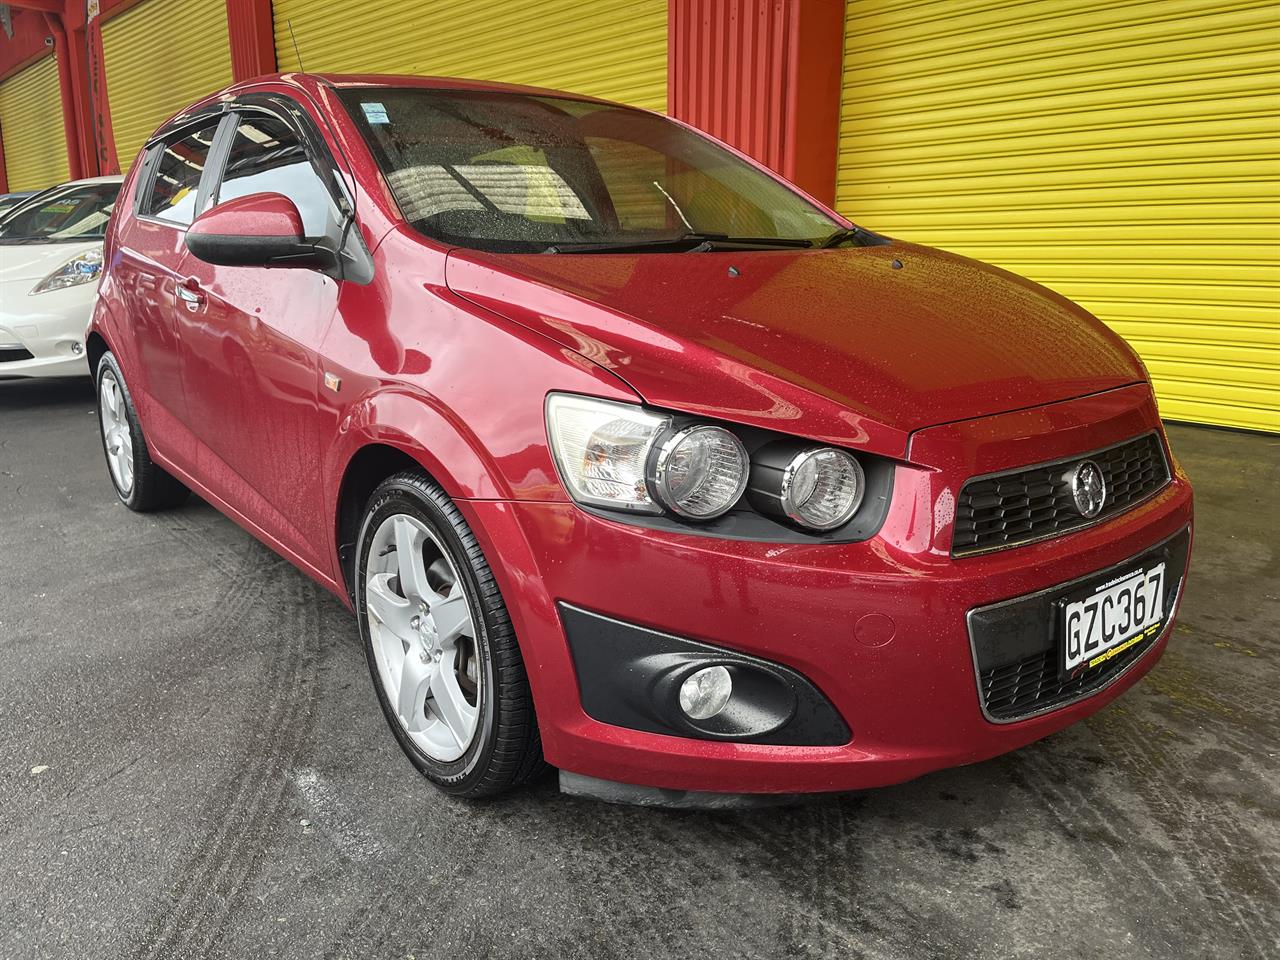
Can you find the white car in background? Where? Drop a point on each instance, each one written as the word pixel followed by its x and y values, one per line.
pixel 50 261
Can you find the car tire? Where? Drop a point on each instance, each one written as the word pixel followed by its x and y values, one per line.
pixel 458 702
pixel 140 483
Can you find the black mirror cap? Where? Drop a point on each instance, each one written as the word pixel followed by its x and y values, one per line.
pixel 228 250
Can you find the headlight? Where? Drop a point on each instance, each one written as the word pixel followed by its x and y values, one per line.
pixel 624 457
pixel 700 472
pixel 817 487
pixel 602 450
pixel 84 268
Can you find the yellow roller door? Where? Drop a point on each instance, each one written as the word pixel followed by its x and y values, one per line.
pixel 615 49
pixel 35 147
pixel 158 57
pixel 1125 154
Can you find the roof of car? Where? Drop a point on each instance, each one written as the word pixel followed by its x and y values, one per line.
pixel 386 80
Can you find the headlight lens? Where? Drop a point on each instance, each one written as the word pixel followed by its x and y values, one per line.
pixel 700 472
pixel 83 268
pixel 602 448
pixel 822 488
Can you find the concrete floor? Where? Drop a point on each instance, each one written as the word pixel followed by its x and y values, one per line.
pixel 192 764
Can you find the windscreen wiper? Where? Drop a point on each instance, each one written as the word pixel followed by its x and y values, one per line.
pixel 863 238
pixel 686 243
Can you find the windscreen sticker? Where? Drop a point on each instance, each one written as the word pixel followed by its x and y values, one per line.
pixel 375 113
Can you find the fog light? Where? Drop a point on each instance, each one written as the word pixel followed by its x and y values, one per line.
pixel 705 692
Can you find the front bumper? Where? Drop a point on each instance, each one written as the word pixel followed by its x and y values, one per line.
pixel 879 627
pixel 43 335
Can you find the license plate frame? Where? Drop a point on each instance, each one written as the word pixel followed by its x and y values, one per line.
pixel 1083 644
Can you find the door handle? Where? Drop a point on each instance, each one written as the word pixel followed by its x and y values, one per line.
pixel 189 290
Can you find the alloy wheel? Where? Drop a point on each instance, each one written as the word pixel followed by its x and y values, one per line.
pixel 424 637
pixel 116 434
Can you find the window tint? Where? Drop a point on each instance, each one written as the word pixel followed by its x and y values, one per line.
pixel 177 181
pixel 267 157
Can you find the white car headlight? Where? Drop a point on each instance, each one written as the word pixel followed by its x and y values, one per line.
pixel 602 449
pixel 82 268
pixel 622 456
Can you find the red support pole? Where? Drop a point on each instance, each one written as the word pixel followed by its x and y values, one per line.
pixel 66 83
pixel 100 132
pixel 77 57
pixel 251 33
pixel 763 75
pixel 4 173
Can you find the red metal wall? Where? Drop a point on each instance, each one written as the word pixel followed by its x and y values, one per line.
pixel 763 75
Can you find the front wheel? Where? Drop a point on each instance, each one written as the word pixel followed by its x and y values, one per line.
pixel 439 643
pixel 140 482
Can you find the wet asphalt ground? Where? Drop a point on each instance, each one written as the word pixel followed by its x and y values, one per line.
pixel 192 764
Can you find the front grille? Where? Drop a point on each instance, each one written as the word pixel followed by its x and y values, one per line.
pixel 1010 509
pixel 1016 643
pixel 10 354
pixel 1033 684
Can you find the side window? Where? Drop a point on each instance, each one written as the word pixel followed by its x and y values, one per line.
pixel 177 178
pixel 267 157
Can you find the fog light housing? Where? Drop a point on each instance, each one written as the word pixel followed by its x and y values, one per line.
pixel 706 692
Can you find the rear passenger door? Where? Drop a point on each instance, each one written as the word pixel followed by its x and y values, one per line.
pixel 250 337
pixel 151 247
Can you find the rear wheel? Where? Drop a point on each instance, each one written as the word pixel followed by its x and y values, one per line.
pixel 140 483
pixel 439 643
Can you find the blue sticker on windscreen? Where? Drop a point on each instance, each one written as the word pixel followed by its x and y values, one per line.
pixel 375 113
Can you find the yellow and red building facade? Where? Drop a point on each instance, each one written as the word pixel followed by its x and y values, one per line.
pixel 1125 154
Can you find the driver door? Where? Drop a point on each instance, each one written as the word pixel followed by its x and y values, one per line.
pixel 249 339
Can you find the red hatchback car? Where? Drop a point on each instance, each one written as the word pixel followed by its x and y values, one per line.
pixel 626 454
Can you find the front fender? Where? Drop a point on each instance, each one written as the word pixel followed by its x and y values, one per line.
pixel 415 425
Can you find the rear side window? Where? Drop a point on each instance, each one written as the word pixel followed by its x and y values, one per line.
pixel 177 178
pixel 267 157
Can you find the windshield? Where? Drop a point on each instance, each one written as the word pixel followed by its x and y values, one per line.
pixel 519 173
pixel 80 213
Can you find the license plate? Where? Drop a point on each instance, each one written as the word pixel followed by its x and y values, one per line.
pixel 1118 615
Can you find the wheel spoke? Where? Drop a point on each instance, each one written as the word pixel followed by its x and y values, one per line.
pixel 452 618
pixel 409 563
pixel 389 609
pixel 415 680
pixel 458 715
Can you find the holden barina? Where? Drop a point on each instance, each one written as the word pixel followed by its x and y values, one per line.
pixel 629 457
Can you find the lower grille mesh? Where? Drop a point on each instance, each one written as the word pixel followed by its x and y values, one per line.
pixel 1033 684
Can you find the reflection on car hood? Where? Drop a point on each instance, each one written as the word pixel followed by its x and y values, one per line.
pixel 35 261
pixel 859 346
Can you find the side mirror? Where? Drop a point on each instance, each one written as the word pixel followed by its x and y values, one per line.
pixel 259 230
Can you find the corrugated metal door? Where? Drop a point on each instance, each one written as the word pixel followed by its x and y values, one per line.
pixel 1125 154
pixel 35 147
pixel 615 49
pixel 159 57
